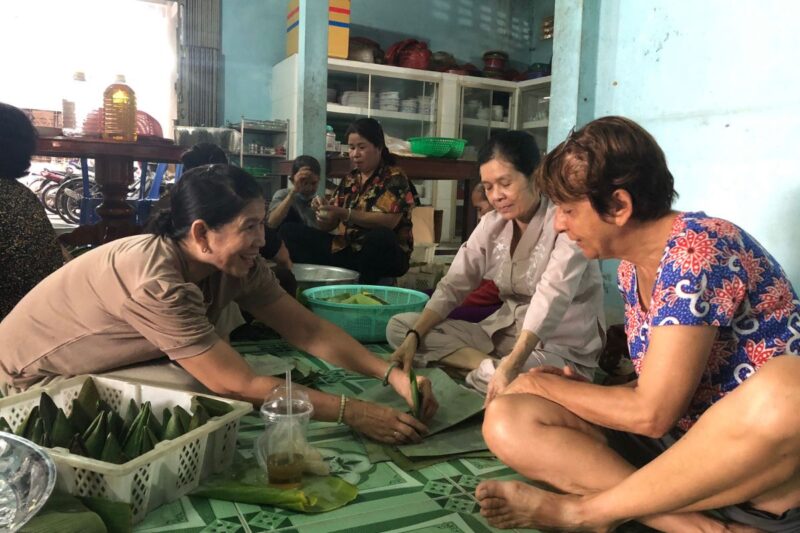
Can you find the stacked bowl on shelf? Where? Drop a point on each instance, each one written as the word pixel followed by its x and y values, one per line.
pixel 389 101
pixel 355 98
pixel 408 105
pixel 426 105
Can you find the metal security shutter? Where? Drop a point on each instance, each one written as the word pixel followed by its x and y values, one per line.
pixel 199 63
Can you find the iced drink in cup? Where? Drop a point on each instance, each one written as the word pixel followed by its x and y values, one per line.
pixel 281 448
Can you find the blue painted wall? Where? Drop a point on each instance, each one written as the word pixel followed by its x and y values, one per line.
pixel 253 40
pixel 716 82
pixel 465 28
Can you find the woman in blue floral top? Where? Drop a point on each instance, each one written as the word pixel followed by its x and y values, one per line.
pixel 370 211
pixel 711 422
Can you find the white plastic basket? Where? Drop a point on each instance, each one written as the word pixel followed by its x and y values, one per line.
pixel 169 471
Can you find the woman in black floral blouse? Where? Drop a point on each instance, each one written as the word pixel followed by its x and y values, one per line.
pixel 29 251
pixel 371 209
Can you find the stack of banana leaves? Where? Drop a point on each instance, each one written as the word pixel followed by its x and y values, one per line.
pixel 95 430
pixel 359 298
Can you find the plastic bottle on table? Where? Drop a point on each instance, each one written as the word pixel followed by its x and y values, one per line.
pixel 119 112
pixel 77 105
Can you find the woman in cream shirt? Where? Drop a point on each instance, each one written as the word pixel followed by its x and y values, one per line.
pixel 552 295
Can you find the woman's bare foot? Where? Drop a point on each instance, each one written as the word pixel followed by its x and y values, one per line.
pixel 512 504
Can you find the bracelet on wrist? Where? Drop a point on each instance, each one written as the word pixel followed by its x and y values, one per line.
pixel 414 332
pixel 342 405
pixel 392 366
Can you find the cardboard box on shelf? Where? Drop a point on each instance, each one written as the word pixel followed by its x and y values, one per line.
pixel 338 28
pixel 44 118
pixel 423 229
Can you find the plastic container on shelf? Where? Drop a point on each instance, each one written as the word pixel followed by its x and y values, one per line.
pixel 366 323
pixel 119 112
pixel 169 471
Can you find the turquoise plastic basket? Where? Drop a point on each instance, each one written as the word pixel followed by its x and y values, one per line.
pixel 437 146
pixel 366 323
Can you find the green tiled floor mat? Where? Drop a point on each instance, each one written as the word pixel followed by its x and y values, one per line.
pixel 432 499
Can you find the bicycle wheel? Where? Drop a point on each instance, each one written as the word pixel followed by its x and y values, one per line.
pixel 68 200
pixel 48 197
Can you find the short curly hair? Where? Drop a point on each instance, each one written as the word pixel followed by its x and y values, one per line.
pixel 17 142
pixel 606 155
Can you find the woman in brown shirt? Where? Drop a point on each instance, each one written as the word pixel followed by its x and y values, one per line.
pixel 29 251
pixel 135 299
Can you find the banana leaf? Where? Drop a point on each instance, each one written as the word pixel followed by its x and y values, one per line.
pixel 37 434
pixel 4 425
pixel 134 441
pixel 117 516
pixel 130 416
pixel 174 428
pixel 149 441
pixel 246 482
pixel 95 436
pixel 89 397
pixel 154 426
pixel 79 417
pixel 183 416
pixel 77 446
pixel 361 299
pixel 48 411
pixel 213 407
pixel 339 298
pixel 112 452
pixel 456 403
pixel 103 405
pixel 115 424
pixel 62 432
pixel 143 413
pixel 199 418
pixel 133 446
pixel 412 376
pixel 166 414
pixel 376 298
pixel 65 514
pixel 24 430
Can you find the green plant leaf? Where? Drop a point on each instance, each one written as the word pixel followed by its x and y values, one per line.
pixel 213 407
pixel 199 417
pixel 48 411
pixel 112 452
pixel 412 376
pixel 79 417
pixel 77 446
pixel 26 428
pixel 117 516
pixel 115 424
pixel 183 416
pixel 37 433
pixel 174 428
pixel 95 436
pixel 130 416
pixel 63 431
pixel 89 397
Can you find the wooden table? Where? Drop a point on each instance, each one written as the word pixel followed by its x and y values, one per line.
pixel 419 168
pixel 113 164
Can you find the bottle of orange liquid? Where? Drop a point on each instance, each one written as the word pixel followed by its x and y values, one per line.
pixel 119 112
